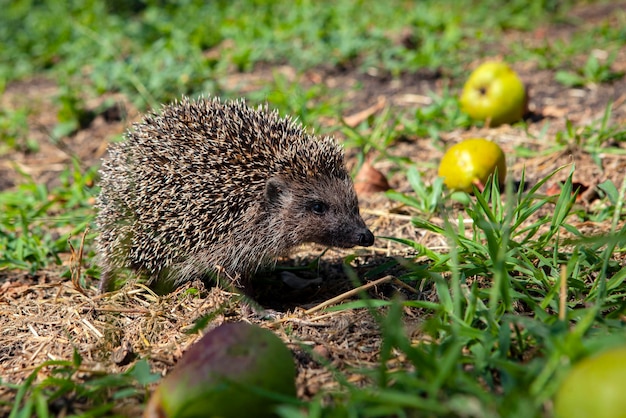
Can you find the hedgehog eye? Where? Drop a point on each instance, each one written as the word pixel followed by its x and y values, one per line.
pixel 319 208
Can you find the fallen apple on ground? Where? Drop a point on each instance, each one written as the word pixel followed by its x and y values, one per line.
pixel 471 162
pixel 494 93
pixel 235 370
pixel 594 387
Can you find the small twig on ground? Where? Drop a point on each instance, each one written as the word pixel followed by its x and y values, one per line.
pixel 76 261
pixel 348 294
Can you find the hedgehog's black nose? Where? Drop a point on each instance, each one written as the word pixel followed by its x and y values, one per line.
pixel 365 239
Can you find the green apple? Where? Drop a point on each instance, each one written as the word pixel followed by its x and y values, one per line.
pixel 494 93
pixel 594 387
pixel 236 370
pixel 471 162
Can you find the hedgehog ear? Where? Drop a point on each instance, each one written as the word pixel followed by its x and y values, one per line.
pixel 274 188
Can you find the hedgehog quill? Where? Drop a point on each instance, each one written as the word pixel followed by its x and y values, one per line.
pixel 208 185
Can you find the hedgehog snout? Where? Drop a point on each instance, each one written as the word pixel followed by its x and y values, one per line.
pixel 362 235
pixel 356 232
pixel 358 235
pixel 342 235
pixel 365 238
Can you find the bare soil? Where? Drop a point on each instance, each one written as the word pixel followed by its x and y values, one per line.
pixel 44 316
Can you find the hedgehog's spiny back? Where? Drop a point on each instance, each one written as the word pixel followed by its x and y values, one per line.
pixel 232 127
pixel 231 136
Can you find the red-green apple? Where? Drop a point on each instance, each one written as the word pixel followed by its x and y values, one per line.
pixel 236 370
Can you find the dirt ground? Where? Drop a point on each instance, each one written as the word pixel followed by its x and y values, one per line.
pixel 44 316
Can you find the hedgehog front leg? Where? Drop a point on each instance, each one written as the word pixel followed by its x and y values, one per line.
pixel 107 280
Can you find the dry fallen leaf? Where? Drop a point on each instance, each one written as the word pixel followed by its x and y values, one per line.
pixel 586 192
pixel 369 180
pixel 356 118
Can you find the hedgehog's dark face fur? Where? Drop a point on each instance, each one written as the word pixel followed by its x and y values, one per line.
pixel 312 197
pixel 324 211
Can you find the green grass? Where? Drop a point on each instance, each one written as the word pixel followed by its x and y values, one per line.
pixel 592 72
pixel 498 339
pixel 595 138
pixel 476 336
pixel 31 217
pixel 14 129
pixel 154 52
pixel 35 399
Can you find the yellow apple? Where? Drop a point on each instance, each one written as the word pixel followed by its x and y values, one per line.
pixel 472 162
pixel 494 93
pixel 594 387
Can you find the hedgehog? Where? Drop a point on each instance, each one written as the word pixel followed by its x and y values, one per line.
pixel 208 187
